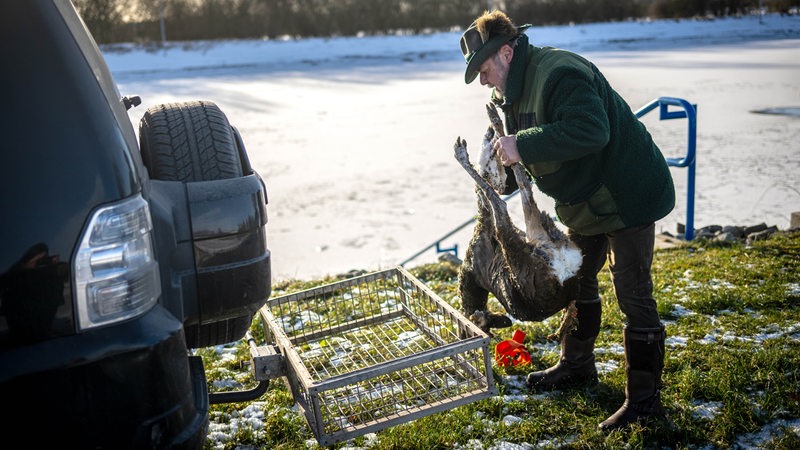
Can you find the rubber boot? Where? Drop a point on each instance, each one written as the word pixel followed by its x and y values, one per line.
pixel 644 357
pixel 576 366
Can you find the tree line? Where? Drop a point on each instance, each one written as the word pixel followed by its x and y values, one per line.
pixel 153 21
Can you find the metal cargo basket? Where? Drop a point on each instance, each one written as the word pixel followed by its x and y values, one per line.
pixel 375 351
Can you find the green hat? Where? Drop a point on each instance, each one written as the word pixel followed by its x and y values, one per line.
pixel 476 50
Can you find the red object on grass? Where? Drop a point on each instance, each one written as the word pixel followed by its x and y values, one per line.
pixel 512 352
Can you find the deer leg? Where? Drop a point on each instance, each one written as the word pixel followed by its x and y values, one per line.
pixel 460 150
pixel 489 166
pixel 534 230
pixel 475 282
pixel 494 119
pixel 491 199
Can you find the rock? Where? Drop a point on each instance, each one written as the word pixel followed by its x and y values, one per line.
pixel 761 235
pixel 727 236
pixel 450 257
pixel 755 228
pixel 736 232
pixel 732 233
pixel 351 274
pixel 707 232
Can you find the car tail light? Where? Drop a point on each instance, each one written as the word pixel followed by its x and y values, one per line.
pixel 116 274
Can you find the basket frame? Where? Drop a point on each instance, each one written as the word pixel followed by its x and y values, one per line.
pixel 308 389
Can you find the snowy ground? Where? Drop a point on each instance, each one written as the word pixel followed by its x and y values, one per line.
pixel 354 136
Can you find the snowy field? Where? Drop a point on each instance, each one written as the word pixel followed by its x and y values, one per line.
pixel 354 136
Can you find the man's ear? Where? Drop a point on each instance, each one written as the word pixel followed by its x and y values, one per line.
pixel 507 53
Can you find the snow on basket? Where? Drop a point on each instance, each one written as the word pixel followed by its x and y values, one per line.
pixel 375 351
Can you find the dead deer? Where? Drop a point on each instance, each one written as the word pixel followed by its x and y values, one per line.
pixel 532 274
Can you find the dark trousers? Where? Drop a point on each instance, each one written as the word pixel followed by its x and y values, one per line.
pixel 629 253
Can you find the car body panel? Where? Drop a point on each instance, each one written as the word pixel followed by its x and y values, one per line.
pixel 63 163
pixel 69 150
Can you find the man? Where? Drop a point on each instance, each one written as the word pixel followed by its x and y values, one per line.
pixel 584 147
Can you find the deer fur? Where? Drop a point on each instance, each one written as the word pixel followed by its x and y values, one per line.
pixel 531 273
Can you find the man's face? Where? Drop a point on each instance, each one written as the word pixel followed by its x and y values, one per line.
pixel 494 71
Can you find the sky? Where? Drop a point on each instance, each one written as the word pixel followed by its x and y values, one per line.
pixel 354 136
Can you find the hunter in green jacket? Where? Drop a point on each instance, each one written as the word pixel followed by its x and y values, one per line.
pixel 582 143
pixel 585 148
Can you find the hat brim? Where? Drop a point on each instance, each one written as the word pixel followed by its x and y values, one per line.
pixel 476 60
pixel 488 49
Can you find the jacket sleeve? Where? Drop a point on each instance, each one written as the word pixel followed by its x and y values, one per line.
pixel 575 123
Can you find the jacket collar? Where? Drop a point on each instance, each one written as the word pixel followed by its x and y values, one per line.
pixel 516 74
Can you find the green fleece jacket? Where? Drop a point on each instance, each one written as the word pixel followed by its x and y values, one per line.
pixel 582 144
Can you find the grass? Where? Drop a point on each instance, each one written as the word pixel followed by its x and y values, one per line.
pixel 731 376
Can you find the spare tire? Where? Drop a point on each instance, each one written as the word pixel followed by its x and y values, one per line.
pixel 188 142
pixel 191 141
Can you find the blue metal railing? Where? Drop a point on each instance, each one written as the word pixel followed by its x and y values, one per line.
pixel 689 112
pixel 663 103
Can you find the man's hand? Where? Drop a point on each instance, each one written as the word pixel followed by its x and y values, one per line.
pixel 506 149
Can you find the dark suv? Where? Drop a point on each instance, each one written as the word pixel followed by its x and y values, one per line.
pixel 119 254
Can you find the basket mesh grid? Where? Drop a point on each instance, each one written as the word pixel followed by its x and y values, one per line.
pixel 377 348
pixel 401 391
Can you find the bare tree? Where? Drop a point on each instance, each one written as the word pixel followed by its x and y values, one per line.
pixel 101 16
